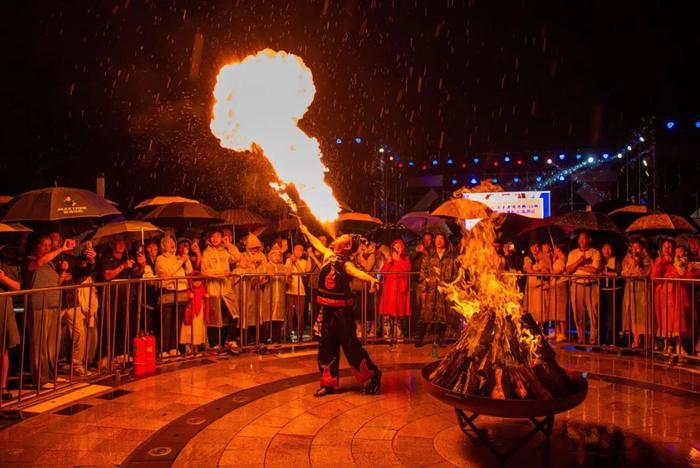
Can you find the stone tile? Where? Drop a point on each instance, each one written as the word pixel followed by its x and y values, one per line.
pixel 304 424
pixel 287 450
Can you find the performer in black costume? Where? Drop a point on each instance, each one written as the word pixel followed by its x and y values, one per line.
pixel 335 323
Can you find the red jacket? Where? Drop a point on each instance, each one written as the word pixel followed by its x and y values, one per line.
pixel 396 295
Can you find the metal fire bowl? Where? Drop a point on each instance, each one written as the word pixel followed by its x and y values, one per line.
pixel 508 408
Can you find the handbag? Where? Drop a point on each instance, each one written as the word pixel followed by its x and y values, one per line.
pixel 169 297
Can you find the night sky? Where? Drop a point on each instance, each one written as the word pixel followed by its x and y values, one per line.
pixel 106 86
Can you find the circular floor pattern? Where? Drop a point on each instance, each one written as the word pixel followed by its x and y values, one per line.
pixel 282 424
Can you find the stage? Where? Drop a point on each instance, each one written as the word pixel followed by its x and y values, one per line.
pixel 258 410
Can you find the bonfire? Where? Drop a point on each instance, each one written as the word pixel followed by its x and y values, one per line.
pixel 501 353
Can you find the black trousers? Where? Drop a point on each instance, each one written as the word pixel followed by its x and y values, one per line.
pixel 338 331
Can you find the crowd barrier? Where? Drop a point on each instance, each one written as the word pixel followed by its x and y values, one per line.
pixel 78 333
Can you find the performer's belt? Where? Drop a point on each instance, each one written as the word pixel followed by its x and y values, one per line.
pixel 326 301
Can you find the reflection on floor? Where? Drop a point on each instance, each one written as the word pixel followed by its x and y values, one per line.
pixel 258 410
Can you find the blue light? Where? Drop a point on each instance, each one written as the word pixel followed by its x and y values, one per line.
pixel 507 159
pixel 338 141
pixel 561 178
pixel 494 180
pixel 411 163
pixel 606 155
pixel 697 124
pixel 578 156
pixel 473 181
pixel 516 179
pixel 358 140
pixel 562 156
pixel 591 159
pixel 629 148
pixel 670 124
pixel 449 161
pixel 435 162
pixel 454 181
pixel 476 160
pixel 536 157
pixel 538 179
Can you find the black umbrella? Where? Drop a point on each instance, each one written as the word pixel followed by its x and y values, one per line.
pixel 388 233
pixel 11 232
pixel 183 214
pixel 588 220
pixel 58 204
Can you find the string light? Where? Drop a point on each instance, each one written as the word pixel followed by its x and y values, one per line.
pixel 562 157
pixel 549 161
pixel 670 124
pixel 338 141
pixel 435 161
pixel 536 157
pixel 358 140
pixel 476 160
pixel 473 181
pixel 449 161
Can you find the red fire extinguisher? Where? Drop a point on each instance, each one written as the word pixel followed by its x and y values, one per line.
pixel 140 355
pixel 150 353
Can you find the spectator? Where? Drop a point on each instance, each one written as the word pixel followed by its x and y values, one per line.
pixel 45 309
pixel 636 267
pixel 537 286
pixel 296 267
pixel 671 299
pixel 217 260
pixel 115 264
pixel 255 264
pixel 274 296
pixel 150 301
pixel 365 260
pixel 173 298
pixel 694 268
pixel 557 293
pixel 395 302
pixel 422 249
pixel 584 263
pixel 186 247
pixel 9 333
pixel 610 295
pixel 316 259
pixel 193 332
pixel 436 267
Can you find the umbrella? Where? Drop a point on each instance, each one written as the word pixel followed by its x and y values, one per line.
pixel 661 222
pixel 163 200
pixel 422 221
pixel 388 233
pixel 462 208
pixel 243 218
pixel 515 225
pixel 131 230
pixel 356 222
pixel 624 216
pixel 59 203
pixel 181 213
pixel 11 231
pixel 588 220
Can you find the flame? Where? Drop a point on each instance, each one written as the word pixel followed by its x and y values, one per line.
pixel 258 103
pixel 481 280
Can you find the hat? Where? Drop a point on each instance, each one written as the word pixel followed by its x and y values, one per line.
pixel 252 242
pixel 274 250
pixel 184 239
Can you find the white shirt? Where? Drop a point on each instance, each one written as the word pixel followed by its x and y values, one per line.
pixel 591 253
pixel 296 281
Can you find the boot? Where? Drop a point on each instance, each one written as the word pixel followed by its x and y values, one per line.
pixel 375 383
pixel 386 327
pixel 398 332
pixel 422 328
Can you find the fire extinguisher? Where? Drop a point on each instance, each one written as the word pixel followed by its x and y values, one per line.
pixel 150 353
pixel 139 355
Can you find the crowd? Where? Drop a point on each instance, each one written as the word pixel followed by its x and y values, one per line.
pixel 611 298
pixel 211 294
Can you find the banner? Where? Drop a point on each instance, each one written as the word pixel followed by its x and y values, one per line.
pixel 532 204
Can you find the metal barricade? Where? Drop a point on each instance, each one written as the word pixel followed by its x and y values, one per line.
pixel 78 333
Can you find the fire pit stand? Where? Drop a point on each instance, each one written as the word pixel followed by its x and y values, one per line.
pixel 477 435
pixel 540 413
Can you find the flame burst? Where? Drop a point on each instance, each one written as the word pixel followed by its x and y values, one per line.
pixel 258 103
pixel 481 282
